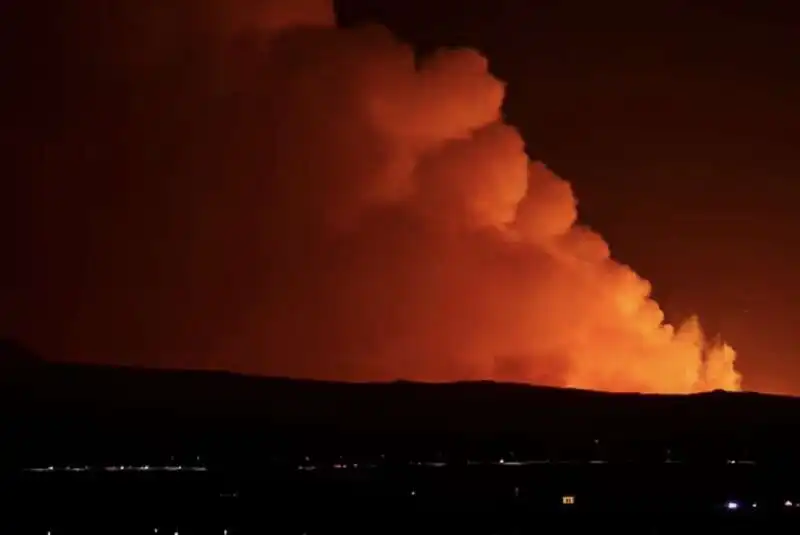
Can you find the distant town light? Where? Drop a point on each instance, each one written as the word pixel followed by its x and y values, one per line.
pixel 732 506
pixel 568 500
pixel 787 503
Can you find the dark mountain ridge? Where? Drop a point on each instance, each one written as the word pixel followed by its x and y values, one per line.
pixel 78 404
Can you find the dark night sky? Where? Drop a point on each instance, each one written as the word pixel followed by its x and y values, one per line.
pixel 675 121
pixel 678 124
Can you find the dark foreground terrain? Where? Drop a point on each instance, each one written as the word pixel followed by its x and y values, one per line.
pixel 113 450
pixel 402 499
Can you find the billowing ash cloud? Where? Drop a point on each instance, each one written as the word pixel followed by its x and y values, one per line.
pixel 242 185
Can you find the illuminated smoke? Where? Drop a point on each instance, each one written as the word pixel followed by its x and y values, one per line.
pixel 242 185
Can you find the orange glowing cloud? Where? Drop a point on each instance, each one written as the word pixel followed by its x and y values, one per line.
pixel 271 194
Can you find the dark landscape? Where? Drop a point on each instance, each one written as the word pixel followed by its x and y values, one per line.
pixel 329 266
pixel 205 452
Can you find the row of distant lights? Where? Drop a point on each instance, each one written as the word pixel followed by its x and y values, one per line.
pixel 440 464
pixel 224 532
pixel 145 468
pixel 155 530
pixel 730 505
pixel 502 462
pixel 734 505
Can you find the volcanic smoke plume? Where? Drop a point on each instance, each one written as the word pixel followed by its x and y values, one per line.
pixel 243 185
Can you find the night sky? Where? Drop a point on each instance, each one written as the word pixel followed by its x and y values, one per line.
pixel 675 122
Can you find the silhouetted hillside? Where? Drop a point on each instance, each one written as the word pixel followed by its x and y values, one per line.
pixel 14 355
pixel 77 404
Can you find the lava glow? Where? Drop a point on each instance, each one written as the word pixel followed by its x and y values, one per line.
pixel 287 197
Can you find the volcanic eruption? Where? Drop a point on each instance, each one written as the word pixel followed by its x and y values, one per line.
pixel 243 185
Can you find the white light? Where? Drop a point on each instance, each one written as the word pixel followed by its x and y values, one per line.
pixel 787 503
pixel 732 506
